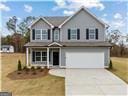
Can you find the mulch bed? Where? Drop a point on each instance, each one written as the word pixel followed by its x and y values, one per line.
pixel 15 75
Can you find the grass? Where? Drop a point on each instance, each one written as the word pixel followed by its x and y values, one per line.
pixel 120 68
pixel 44 86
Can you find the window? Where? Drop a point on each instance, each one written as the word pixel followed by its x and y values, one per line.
pixel 44 56
pixel 38 34
pixel 44 35
pixel 91 33
pixel 38 56
pixel 56 35
pixel 41 34
pixel 73 34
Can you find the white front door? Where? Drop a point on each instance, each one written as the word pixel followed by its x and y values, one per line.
pixel 78 59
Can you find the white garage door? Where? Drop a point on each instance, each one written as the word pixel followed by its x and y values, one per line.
pixel 84 60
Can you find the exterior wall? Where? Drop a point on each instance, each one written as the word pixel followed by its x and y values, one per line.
pixel 86 49
pixel 40 25
pixel 82 20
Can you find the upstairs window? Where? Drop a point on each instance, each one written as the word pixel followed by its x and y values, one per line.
pixel 73 34
pixel 41 34
pixel 56 35
pixel 44 35
pixel 38 34
pixel 92 34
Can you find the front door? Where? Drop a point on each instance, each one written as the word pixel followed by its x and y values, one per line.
pixel 55 58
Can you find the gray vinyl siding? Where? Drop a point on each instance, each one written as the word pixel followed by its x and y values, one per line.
pixel 85 49
pixel 82 20
pixel 40 25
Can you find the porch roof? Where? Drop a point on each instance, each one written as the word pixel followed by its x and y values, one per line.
pixel 69 44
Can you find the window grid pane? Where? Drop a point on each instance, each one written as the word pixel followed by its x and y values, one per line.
pixel 92 34
pixel 44 35
pixel 73 34
pixel 38 34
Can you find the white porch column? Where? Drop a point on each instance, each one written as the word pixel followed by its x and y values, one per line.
pixel 27 56
pixel 48 57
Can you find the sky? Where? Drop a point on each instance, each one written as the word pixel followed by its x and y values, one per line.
pixel 112 12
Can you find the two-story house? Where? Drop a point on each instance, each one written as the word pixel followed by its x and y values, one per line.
pixel 77 41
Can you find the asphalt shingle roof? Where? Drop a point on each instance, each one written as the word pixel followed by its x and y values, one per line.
pixel 56 20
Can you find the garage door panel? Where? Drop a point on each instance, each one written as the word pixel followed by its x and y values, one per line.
pixel 84 59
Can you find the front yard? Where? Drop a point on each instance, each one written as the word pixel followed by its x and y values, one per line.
pixel 120 67
pixel 43 86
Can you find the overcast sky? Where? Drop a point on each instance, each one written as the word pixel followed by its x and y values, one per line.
pixel 113 13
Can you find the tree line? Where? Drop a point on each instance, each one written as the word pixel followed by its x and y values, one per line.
pixel 21 35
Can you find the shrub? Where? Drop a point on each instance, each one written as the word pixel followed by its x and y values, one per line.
pixel 41 70
pixel 33 70
pixel 39 67
pixel 26 69
pixel 110 65
pixel 45 67
pixel 19 67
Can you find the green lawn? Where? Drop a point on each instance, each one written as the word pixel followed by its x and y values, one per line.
pixel 120 67
pixel 45 86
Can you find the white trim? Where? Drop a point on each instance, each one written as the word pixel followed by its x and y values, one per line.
pixel 85 9
pixel 42 19
pixel 48 57
pixel 27 56
pixel 55 44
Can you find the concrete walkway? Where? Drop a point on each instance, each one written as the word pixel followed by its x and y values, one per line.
pixel 91 82
pixel 58 72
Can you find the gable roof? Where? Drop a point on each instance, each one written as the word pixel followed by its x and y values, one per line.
pixel 86 10
pixel 51 20
pixel 59 21
pixel 56 20
pixel 41 18
pixel 54 43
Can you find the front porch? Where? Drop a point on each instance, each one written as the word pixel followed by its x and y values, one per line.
pixel 44 56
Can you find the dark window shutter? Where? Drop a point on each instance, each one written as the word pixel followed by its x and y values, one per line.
pixel 69 33
pixel 33 56
pixel 49 34
pixel 96 33
pixel 87 33
pixel 33 34
pixel 78 34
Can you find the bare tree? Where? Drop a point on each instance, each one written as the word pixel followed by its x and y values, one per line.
pixel 114 36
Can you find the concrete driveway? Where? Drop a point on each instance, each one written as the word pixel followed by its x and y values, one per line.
pixel 91 82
